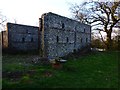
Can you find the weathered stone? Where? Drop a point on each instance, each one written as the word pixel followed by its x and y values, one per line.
pixel 63 35
pixel 22 37
pixel 56 36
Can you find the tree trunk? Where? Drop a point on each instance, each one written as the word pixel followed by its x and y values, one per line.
pixel 109 41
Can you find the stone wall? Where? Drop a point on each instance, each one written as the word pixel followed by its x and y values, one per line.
pixel 4 39
pixel 56 36
pixel 63 35
pixel 22 37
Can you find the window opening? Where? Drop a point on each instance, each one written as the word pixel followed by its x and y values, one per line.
pixel 57 39
pixel 31 39
pixel 67 39
pixel 81 40
pixel 23 39
pixel 84 29
pixel 86 39
pixel 63 25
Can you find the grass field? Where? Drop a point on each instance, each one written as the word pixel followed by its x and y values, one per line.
pixel 95 70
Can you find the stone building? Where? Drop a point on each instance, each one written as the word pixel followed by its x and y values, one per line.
pixel 56 36
pixel 20 37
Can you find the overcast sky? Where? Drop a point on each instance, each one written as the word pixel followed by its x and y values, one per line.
pixel 29 11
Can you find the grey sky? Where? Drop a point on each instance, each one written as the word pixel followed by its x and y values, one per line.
pixel 28 11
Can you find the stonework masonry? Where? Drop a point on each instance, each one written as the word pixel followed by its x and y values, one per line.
pixel 63 35
pixel 56 36
pixel 22 37
pixel 4 37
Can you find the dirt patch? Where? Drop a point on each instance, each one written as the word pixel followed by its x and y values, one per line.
pixel 47 74
pixel 43 61
pixel 16 75
pixel 38 60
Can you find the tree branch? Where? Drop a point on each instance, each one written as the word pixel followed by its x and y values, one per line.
pixel 99 29
pixel 102 38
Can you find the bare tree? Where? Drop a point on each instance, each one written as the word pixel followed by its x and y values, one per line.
pixel 103 16
pixel 3 20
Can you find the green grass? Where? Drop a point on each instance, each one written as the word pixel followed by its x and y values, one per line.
pixel 95 70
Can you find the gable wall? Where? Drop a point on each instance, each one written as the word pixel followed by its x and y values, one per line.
pixel 63 35
pixel 22 37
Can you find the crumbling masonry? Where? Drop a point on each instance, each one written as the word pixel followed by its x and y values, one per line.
pixel 56 36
